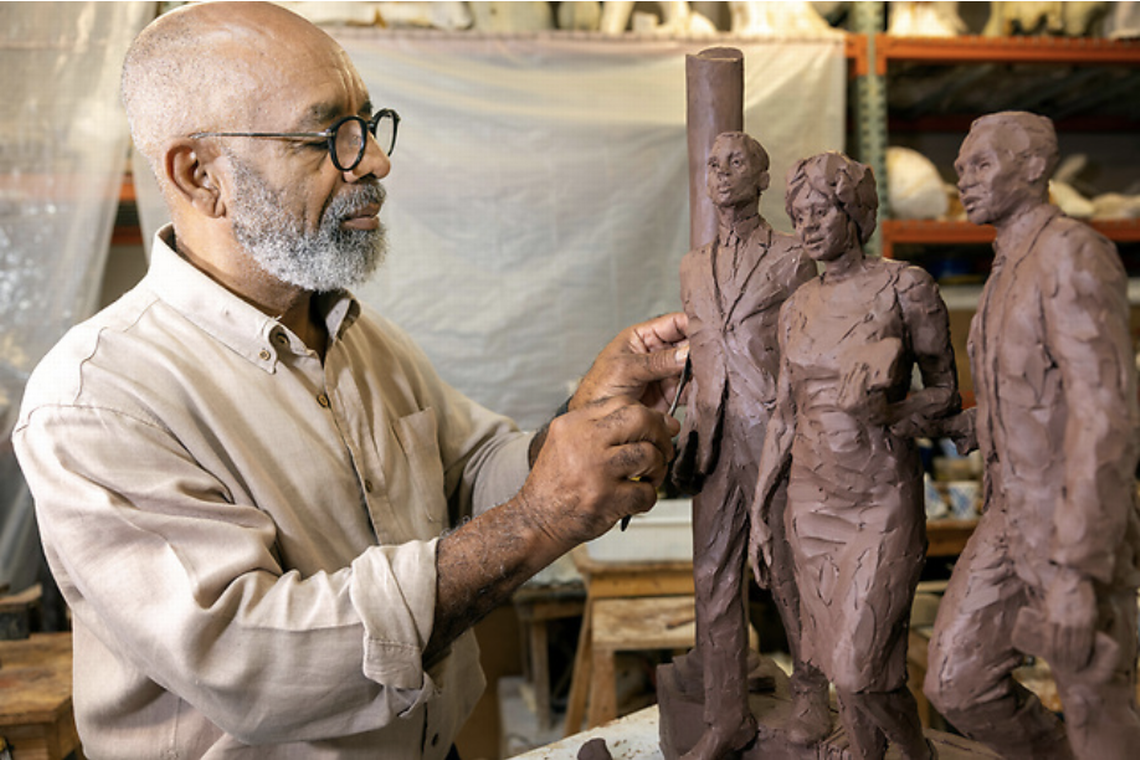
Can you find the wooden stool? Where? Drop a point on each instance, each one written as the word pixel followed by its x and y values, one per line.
pixel 36 715
pixel 631 625
pixel 535 608
pixel 615 580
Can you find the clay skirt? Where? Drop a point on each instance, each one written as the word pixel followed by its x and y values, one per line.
pixel 858 554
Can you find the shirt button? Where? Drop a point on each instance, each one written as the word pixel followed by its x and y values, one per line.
pixel 264 355
pixel 435 740
pixel 323 400
pixel 368 485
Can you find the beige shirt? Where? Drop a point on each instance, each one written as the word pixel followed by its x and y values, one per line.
pixel 246 537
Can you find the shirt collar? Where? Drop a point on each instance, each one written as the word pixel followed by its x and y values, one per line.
pixel 1013 241
pixel 242 327
pixel 743 229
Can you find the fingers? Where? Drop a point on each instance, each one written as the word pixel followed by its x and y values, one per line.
pixel 663 332
pixel 640 440
pixel 635 363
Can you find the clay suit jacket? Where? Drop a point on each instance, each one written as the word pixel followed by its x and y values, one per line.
pixel 1053 370
pixel 732 331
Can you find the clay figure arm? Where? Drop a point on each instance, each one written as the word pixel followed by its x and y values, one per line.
pixel 1085 310
pixel 775 458
pixel 928 328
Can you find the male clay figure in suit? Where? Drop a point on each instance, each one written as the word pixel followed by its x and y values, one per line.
pixel 1052 568
pixel 732 290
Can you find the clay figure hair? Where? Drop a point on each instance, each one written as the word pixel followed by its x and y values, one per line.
pixel 1024 135
pixel 849 183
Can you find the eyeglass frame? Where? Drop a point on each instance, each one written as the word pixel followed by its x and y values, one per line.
pixel 368 127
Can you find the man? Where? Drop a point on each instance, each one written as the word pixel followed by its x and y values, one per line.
pixel 1051 569
pixel 732 290
pixel 242 475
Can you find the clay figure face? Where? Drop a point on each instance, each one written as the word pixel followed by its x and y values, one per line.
pixel 992 182
pixel 823 228
pixel 733 177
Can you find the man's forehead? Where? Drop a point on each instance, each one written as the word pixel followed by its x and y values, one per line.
pixel 981 141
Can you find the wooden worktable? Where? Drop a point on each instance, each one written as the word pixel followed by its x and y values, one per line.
pixel 36 716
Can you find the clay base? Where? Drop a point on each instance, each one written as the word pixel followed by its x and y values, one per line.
pixel 681 724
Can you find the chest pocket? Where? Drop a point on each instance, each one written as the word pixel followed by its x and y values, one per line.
pixel 420 484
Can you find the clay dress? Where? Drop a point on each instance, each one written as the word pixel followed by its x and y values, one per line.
pixel 855 517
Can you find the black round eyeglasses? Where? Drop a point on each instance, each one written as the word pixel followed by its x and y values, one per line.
pixel 347 137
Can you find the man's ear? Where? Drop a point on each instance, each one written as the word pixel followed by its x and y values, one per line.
pixel 1035 169
pixel 192 171
pixel 763 180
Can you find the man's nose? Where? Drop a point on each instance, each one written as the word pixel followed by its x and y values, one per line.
pixel 374 162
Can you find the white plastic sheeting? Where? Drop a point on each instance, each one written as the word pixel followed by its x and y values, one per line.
pixel 63 145
pixel 538 200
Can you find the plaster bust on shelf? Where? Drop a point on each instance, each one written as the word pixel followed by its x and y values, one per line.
pixel 1052 568
pixel 842 430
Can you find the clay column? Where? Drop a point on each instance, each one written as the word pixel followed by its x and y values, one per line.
pixel 714 81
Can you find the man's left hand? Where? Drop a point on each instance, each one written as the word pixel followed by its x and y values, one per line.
pixel 642 363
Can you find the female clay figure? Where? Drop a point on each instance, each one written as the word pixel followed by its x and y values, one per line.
pixel 842 430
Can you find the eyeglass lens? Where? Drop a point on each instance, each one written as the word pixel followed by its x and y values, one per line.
pixel 350 142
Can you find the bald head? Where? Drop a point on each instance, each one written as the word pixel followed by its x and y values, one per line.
pixel 209 66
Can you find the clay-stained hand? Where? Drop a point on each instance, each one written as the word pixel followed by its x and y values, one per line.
pixel 599 463
pixel 642 363
pixel 1070 605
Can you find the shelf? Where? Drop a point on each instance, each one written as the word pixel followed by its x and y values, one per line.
pixel 975 49
pixel 931 232
pixel 965 297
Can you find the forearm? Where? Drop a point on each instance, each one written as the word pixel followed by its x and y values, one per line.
pixel 597 465
pixel 480 565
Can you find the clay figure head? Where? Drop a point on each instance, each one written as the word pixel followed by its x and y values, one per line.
pixel 737 170
pixel 832 202
pixel 1004 165
pixel 198 80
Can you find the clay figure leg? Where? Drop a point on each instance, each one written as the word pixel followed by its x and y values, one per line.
pixel 971 660
pixel 872 719
pixel 811 721
pixel 720 536
pixel 1100 714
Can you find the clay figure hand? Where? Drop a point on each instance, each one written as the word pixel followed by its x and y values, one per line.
pixel 1071 605
pixel 760 551
pixel 868 371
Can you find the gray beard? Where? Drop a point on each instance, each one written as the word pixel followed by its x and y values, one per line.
pixel 329 258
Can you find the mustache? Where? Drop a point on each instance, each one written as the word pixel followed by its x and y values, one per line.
pixel 355 199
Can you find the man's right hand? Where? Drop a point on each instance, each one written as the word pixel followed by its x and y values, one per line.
pixel 598 464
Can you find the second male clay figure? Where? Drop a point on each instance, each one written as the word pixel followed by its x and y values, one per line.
pixel 732 290
pixel 1052 568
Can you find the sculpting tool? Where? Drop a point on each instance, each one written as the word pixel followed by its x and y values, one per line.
pixel 686 373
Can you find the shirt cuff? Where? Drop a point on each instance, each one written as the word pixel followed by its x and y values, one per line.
pixel 393 590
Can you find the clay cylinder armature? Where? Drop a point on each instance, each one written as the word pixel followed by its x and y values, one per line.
pixel 714 81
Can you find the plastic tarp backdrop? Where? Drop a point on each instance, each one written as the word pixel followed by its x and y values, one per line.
pixel 62 153
pixel 538 200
